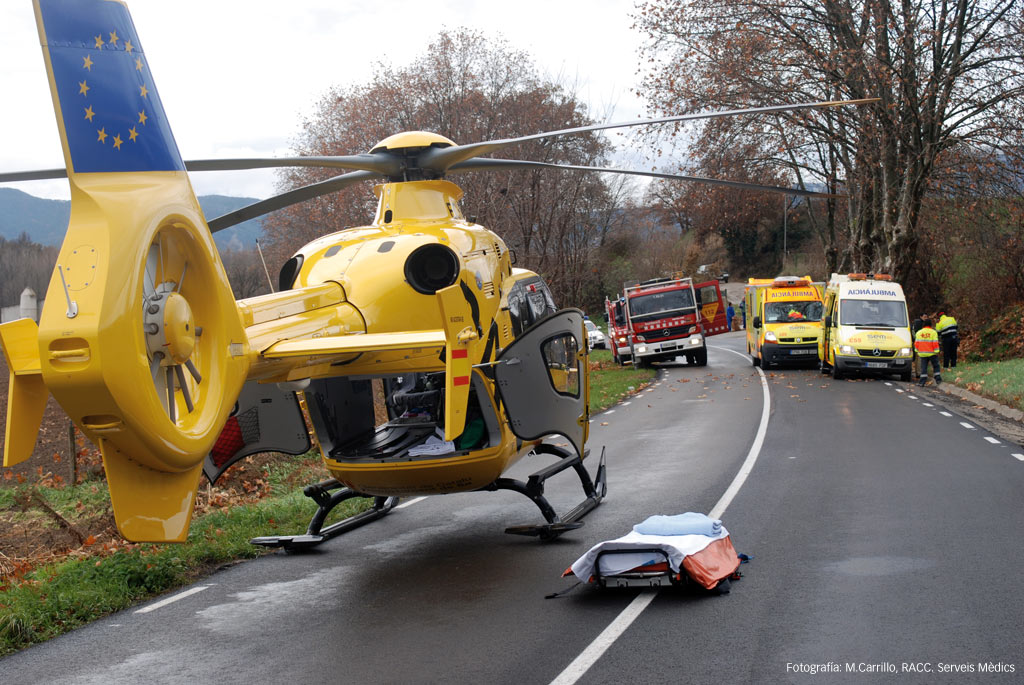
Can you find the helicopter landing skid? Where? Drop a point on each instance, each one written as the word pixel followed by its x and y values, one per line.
pixel 316 533
pixel 534 489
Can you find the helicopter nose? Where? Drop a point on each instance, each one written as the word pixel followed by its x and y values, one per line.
pixel 432 267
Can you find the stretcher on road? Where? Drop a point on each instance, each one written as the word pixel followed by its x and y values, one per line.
pixel 639 558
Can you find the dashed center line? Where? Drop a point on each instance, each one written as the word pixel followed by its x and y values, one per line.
pixel 1018 456
pixel 993 440
pixel 945 413
pixel 926 404
pixel 967 425
pixel 171 600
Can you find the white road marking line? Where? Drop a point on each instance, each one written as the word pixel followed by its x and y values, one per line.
pixel 610 411
pixel 1019 456
pixel 913 397
pixel 589 656
pixel 967 425
pixel 171 599
pixel 626 404
pixel 411 502
pixel 945 413
pixel 898 390
pixel 993 440
pixel 926 404
pixel 888 383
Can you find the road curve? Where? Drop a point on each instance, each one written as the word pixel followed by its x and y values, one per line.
pixel 883 532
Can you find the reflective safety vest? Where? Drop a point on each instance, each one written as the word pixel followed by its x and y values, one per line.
pixel 926 342
pixel 946 325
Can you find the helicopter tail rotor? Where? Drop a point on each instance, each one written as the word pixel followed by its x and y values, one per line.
pixel 140 339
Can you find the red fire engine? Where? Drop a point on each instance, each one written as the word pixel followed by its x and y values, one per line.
pixel 665 318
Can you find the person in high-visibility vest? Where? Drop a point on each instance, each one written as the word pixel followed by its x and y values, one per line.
pixel 949 336
pixel 926 343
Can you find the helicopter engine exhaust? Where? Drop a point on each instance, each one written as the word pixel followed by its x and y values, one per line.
pixel 432 267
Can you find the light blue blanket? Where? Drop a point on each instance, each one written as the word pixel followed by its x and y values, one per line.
pixel 690 523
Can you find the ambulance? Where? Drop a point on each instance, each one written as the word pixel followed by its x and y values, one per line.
pixel 867 330
pixel 783 320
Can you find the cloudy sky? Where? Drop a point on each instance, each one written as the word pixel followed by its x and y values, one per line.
pixel 237 76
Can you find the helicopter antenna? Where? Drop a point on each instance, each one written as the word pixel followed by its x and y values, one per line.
pixel 260 250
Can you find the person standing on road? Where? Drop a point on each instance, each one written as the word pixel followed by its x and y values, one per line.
pixel 914 328
pixel 949 336
pixel 729 314
pixel 743 313
pixel 926 344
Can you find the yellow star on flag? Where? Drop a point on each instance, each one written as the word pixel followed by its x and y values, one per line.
pixel 102 135
pixel 117 141
pixel 128 47
pixel 113 37
pixel 132 134
pixel 87 63
pixel 83 88
pixel 143 91
pixel 138 64
pixel 89 114
pixel 99 42
pixel 142 117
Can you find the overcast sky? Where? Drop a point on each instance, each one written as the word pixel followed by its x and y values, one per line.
pixel 237 76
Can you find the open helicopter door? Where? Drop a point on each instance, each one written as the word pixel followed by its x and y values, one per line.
pixel 264 419
pixel 543 379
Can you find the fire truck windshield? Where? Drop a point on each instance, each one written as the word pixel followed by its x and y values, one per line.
pixel 665 302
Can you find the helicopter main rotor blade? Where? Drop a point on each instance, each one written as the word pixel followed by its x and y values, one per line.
pixel 292 197
pixel 37 175
pixel 383 163
pixel 490 163
pixel 442 159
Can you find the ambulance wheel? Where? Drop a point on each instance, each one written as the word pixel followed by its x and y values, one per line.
pixel 836 373
pixel 905 377
pixel 700 357
pixel 755 361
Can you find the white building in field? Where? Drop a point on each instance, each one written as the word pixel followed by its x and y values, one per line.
pixel 28 308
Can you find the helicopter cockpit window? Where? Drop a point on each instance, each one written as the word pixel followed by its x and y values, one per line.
pixel 563 369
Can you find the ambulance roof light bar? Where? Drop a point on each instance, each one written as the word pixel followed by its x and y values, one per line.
pixel 791 281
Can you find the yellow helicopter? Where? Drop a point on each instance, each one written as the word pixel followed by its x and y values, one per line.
pixel 144 346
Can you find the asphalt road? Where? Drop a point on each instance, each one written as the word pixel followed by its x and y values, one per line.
pixel 884 533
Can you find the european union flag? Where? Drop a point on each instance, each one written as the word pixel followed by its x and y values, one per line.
pixel 112 114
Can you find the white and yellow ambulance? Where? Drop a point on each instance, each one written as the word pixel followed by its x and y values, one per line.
pixel 783 320
pixel 867 330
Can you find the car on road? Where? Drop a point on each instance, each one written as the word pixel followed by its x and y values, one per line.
pixel 595 336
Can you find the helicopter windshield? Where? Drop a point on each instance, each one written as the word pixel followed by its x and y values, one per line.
pixel 790 312
pixel 662 303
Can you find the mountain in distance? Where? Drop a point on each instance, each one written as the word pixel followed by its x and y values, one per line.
pixel 45 221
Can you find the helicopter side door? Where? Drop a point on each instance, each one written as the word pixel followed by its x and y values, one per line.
pixel 543 379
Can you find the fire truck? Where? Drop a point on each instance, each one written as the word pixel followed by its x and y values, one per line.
pixel 620 337
pixel 671 317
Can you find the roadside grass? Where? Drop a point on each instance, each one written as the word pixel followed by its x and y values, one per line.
pixel 609 382
pixel 99 578
pixel 1002 381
